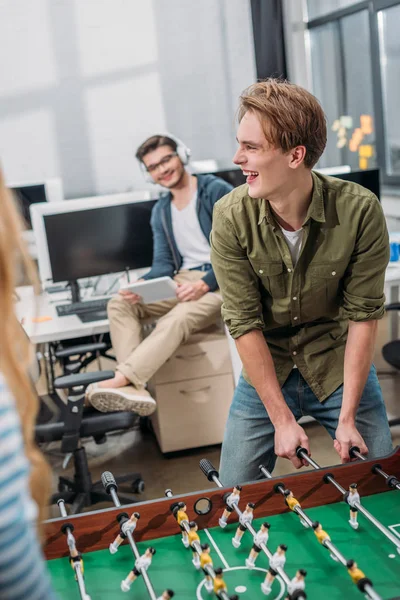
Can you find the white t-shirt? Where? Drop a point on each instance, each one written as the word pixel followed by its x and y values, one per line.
pixel 192 244
pixel 277 561
pixel 294 241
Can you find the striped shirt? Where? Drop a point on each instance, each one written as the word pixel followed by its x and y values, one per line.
pixel 23 573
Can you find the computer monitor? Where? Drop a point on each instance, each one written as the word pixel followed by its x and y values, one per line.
pixel 28 193
pixel 92 236
pixel 368 178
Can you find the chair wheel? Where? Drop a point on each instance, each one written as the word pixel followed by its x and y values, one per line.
pixel 138 486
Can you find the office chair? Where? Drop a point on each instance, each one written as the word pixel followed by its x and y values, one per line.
pixel 391 353
pixel 77 422
pixel 75 355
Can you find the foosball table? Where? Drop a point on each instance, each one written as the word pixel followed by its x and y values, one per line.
pixel 329 533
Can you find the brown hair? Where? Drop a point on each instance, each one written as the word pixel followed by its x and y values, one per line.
pixel 290 116
pixel 15 349
pixel 154 142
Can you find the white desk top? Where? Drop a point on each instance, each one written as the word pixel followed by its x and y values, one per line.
pixel 41 322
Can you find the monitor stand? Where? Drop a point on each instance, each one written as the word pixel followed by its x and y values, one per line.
pixel 75 291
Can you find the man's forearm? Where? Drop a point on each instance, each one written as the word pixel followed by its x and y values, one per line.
pixel 259 366
pixel 357 363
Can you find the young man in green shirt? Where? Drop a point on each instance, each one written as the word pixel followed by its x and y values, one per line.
pixel 300 259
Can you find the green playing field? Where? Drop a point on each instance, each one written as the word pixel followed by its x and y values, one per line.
pixel 172 566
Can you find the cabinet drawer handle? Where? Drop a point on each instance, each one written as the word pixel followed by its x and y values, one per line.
pixel 190 356
pixel 204 389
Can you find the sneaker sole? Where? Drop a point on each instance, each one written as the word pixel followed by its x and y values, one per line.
pixel 111 402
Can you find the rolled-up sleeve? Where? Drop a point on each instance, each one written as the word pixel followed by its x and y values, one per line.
pixel 363 297
pixel 241 308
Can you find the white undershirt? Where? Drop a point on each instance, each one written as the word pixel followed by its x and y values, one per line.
pixel 294 241
pixel 191 241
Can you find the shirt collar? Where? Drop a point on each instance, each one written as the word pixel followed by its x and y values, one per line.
pixel 316 210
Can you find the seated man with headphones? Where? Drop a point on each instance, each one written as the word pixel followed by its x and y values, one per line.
pixel 181 224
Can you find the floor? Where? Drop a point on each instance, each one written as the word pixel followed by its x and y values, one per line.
pixel 137 450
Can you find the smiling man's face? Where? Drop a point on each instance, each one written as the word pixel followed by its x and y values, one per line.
pixel 266 168
pixel 164 166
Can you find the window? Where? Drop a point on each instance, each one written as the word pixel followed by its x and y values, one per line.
pixel 342 81
pixel 319 8
pixel 389 45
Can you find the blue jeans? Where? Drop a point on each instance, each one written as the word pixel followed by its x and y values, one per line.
pixel 249 434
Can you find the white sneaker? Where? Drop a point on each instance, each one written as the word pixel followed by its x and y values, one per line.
pixel 354 524
pixel 236 543
pixel 250 564
pixel 196 564
pixel 122 398
pixel 125 587
pixel 222 523
pixel 185 543
pixel 209 587
pixel 265 588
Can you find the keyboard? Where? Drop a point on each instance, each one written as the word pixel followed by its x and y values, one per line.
pixel 98 306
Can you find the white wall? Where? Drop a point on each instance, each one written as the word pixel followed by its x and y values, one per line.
pixel 83 82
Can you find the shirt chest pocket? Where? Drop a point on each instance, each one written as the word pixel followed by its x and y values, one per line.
pixel 272 277
pixel 325 283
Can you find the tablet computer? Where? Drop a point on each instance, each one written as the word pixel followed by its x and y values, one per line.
pixel 153 290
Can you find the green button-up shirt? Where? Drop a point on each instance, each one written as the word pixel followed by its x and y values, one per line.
pixel 303 309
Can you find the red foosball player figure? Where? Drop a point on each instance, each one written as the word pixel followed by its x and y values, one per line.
pixel 141 564
pixel 127 525
pixel 245 518
pixel 181 517
pixel 193 536
pixel 205 559
pixel 351 497
pixel 166 595
pixel 231 500
pixel 292 502
pixel 219 584
pixel 261 537
pixel 297 584
pixel 276 562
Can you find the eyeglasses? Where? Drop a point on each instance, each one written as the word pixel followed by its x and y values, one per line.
pixel 163 163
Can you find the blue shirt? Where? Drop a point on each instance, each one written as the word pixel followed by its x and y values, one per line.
pixel 166 257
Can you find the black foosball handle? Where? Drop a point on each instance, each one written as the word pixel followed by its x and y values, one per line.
pixel 208 469
pixel 108 481
pixel 354 449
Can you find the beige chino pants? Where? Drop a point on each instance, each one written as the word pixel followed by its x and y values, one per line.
pixel 138 359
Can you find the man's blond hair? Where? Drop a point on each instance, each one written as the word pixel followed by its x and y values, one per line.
pixel 289 115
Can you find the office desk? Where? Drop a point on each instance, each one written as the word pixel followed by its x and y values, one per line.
pixel 41 323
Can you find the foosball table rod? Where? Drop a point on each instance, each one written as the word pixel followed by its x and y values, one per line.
pixel 223 595
pixel 329 478
pixel 75 558
pixel 391 480
pixel 366 586
pixel 111 487
pixel 212 475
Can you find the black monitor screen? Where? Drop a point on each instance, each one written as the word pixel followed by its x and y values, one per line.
pixel 98 241
pixel 368 178
pixel 27 195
